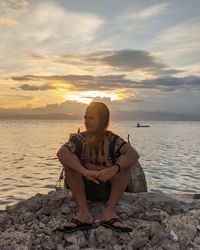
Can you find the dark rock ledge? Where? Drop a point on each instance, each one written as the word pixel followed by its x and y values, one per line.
pixel 159 222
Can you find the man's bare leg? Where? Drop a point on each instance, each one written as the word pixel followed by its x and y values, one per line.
pixel 119 184
pixel 76 185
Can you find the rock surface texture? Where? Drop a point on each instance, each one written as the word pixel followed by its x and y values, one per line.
pixel 158 222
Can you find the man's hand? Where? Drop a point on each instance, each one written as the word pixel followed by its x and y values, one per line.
pixel 91 175
pixel 107 173
pixel 94 167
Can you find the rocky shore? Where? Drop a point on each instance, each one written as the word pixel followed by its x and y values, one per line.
pixel 159 222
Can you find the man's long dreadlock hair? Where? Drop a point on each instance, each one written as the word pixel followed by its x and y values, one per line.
pixel 97 140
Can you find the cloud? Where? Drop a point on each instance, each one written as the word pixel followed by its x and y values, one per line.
pixel 119 109
pixel 179 43
pixel 118 105
pixel 36 57
pixel 134 100
pixel 42 33
pixel 107 82
pixel 34 87
pixel 67 107
pixel 130 60
pixel 171 83
pixel 61 28
pixel 146 13
pixel 74 82
pixel 63 107
pixel 8 21
pixel 193 69
pixel 13 7
pixel 121 60
pixel 8 99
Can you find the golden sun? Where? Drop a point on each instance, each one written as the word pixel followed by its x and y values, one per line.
pixel 87 96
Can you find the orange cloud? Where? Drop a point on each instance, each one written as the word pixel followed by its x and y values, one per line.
pixel 8 21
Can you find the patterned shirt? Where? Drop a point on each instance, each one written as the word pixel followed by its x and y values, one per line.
pixel 76 144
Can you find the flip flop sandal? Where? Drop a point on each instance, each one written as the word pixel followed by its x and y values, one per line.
pixel 109 224
pixel 79 226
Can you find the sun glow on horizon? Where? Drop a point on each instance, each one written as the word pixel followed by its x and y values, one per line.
pixel 87 96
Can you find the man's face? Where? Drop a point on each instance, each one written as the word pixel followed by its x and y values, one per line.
pixel 91 120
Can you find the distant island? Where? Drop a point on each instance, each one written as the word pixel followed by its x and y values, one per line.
pixel 135 115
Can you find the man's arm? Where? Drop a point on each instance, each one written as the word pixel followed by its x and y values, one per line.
pixel 68 159
pixel 128 157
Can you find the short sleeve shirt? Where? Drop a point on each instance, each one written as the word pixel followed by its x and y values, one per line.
pixel 76 145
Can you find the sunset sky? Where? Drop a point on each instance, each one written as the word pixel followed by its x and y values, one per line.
pixel 136 55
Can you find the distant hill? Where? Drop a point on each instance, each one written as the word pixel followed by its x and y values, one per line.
pixel 141 115
pixel 40 116
pixel 136 115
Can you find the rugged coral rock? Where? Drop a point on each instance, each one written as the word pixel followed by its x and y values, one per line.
pixel 159 222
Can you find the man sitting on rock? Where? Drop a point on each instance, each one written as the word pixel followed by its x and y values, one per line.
pixel 98 165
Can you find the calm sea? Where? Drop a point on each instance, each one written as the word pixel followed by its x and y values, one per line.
pixel 169 154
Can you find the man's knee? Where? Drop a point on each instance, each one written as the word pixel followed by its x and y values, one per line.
pixel 69 171
pixel 128 169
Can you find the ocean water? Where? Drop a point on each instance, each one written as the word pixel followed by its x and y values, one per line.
pixel 169 154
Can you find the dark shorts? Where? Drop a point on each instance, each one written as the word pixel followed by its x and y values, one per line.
pixel 96 192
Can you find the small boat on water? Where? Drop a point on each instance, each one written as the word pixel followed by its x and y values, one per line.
pixel 142 126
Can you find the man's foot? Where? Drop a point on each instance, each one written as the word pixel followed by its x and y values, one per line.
pixel 111 224
pixel 78 226
pixel 112 221
pixel 79 222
